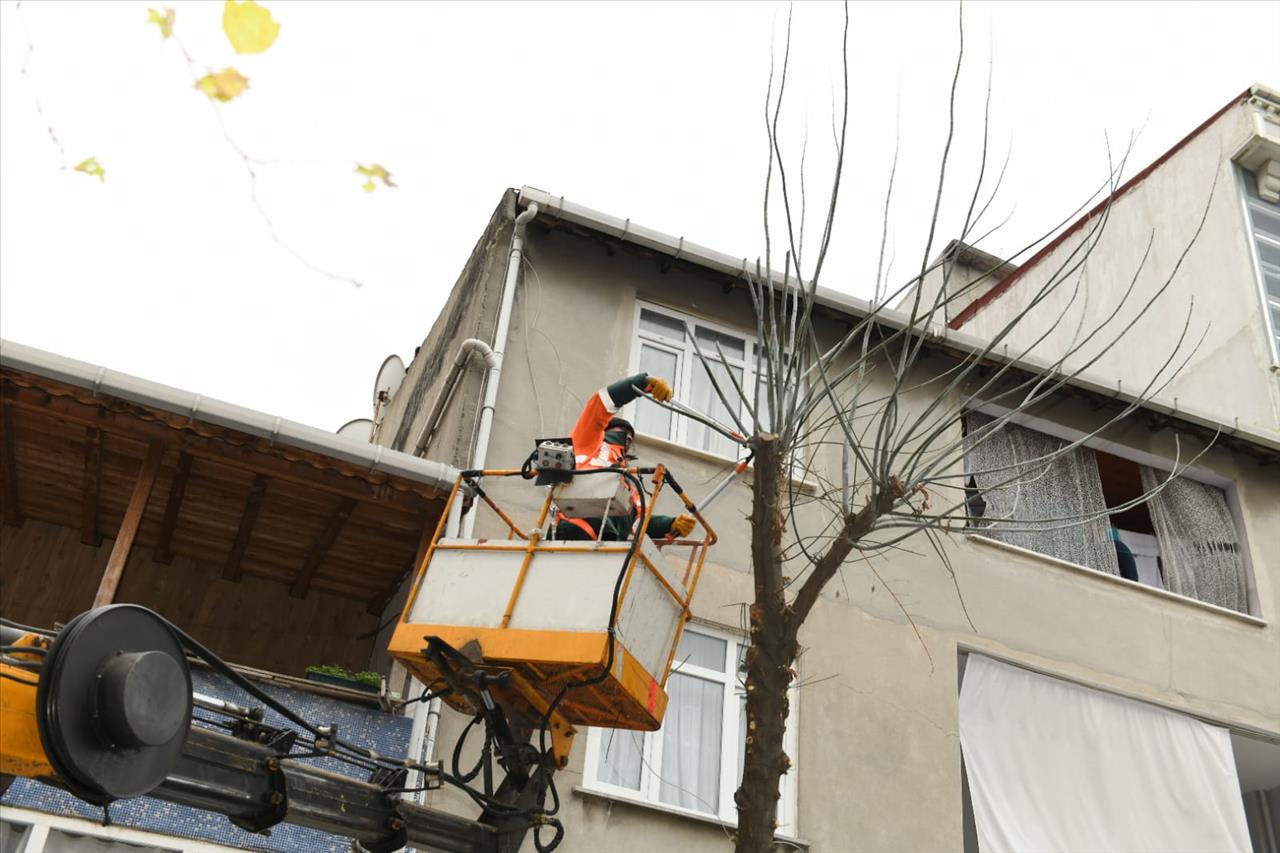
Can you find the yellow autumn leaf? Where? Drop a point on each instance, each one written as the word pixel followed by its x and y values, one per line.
pixel 93 168
pixel 248 26
pixel 372 173
pixel 163 21
pixel 223 86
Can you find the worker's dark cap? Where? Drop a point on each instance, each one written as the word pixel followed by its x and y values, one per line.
pixel 620 423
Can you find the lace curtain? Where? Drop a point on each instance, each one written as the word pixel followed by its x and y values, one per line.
pixel 1036 493
pixel 1199 548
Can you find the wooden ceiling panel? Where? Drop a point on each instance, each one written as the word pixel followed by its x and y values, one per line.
pixel 323 529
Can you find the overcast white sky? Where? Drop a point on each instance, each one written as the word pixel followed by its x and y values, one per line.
pixel 653 112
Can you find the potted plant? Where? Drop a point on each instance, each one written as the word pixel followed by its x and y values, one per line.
pixel 340 676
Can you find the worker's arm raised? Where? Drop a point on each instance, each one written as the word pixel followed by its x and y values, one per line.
pixel 604 404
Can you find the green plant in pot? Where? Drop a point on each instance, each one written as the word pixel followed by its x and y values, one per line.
pixel 340 676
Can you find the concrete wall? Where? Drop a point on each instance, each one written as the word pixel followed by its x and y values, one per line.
pixel 879 762
pixel 470 312
pixel 1231 371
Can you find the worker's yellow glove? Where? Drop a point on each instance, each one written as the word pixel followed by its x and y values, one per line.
pixel 659 388
pixel 682 526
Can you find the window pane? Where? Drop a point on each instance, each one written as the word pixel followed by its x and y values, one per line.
pixel 1269 252
pixel 691 738
pixel 701 650
pixel 660 324
pixel 651 418
pixel 1266 219
pixel 13 836
pixel 1272 281
pixel 60 841
pixel 733 347
pixel 620 758
pixel 703 397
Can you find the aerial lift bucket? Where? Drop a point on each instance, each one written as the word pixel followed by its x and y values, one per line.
pixel 568 632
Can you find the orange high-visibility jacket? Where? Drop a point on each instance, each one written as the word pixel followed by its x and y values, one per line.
pixel 592 451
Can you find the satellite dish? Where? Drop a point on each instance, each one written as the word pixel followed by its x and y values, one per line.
pixel 390 375
pixel 360 429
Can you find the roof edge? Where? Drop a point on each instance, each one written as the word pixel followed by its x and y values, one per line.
pixel 98 379
pixel 625 231
pixel 994 293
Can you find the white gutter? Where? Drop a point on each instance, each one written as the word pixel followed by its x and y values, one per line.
pixel 624 230
pixel 500 336
pixel 196 407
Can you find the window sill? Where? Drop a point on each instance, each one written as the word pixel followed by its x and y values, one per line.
pixel 988 542
pixel 668 448
pixel 583 791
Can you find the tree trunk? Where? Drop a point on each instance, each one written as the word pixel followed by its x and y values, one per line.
pixel 770 656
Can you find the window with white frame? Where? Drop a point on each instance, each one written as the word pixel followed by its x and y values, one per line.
pixel 1264 224
pixel 694 762
pixel 1086 506
pixel 665 346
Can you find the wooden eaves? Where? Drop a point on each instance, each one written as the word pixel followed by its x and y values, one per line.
pixel 149 467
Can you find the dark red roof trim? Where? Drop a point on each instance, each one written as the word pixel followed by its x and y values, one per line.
pixel 994 293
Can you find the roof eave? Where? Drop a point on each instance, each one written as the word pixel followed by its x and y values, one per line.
pixel 552 207
pixel 101 380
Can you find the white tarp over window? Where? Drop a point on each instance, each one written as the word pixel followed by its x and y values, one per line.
pixel 1055 766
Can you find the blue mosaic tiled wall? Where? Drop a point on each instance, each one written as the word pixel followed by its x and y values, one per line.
pixel 357 723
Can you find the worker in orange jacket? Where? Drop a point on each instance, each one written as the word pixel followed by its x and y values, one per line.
pixel 601 439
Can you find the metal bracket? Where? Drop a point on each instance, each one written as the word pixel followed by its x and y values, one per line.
pixel 275 801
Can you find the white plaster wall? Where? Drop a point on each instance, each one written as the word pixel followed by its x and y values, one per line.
pixel 878 764
pixel 1230 374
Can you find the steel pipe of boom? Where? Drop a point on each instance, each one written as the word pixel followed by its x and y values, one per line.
pixel 252 786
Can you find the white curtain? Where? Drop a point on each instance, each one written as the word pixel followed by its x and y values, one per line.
pixel 1053 766
pixel 650 417
pixel 703 397
pixel 1069 487
pixel 620 758
pixel 1198 543
pixel 691 743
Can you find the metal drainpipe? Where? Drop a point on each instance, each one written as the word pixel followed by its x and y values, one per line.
pixel 469 347
pixel 426 717
pixel 499 347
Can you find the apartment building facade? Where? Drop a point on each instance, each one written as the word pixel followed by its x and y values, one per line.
pixel 876 726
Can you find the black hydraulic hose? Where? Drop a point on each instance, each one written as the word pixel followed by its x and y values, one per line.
pixel 528 472
pixel 555 839
pixel 222 668
pixel 27 628
pixel 613 609
pixel 457 752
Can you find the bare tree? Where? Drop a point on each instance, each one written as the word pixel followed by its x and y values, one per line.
pixel 895 406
